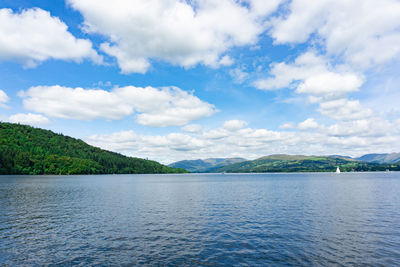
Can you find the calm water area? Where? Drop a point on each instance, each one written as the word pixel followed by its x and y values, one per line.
pixel 309 219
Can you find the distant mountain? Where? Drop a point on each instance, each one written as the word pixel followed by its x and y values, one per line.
pixel 381 158
pixel 340 156
pixel 28 150
pixel 299 163
pixel 203 165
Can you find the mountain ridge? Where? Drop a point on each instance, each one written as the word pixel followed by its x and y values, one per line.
pixel 294 163
pixel 381 157
pixel 301 163
pixel 202 165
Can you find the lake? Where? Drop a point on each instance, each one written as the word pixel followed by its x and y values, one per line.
pixel 201 219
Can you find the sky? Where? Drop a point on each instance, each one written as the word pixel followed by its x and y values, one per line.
pixel 170 80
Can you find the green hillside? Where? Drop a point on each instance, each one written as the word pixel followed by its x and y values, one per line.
pixel 289 163
pixel 28 150
pixel 203 165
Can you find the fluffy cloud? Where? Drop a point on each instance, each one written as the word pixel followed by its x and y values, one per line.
pixel 29 119
pixel 168 106
pixel 183 33
pixel 192 128
pixel 238 75
pixel 366 127
pixel 75 103
pixel 330 83
pixel 3 98
pixel 284 74
pixel 344 109
pixel 33 36
pixel 262 7
pixel 234 125
pixel 287 125
pixel 364 32
pixel 311 74
pixel 308 124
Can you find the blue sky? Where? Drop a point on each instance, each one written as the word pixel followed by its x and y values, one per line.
pixel 172 80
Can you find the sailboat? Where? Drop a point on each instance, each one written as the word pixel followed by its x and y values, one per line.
pixel 337 170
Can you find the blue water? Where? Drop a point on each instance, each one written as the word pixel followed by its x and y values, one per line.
pixel 211 220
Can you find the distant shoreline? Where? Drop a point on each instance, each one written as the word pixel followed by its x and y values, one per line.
pixel 192 173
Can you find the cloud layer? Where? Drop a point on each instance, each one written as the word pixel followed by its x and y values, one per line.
pixel 167 106
pixel 350 138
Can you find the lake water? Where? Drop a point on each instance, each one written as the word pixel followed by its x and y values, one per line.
pixel 196 219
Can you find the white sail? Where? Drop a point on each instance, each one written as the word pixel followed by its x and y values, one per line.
pixel 337 170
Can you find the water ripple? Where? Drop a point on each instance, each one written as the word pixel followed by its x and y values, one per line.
pixel 207 220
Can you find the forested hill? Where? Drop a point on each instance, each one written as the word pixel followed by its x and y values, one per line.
pixel 28 150
pixel 297 163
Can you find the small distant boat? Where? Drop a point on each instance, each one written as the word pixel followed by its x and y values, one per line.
pixel 337 170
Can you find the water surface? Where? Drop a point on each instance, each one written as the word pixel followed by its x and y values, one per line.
pixel 201 219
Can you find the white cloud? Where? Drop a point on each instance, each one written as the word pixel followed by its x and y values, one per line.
pixel 183 33
pixel 330 83
pixel 344 109
pixel 29 119
pixel 262 7
pixel 226 61
pixel 75 103
pixel 234 125
pixel 287 125
pixel 3 99
pixel 365 127
pixel 144 146
pixel 192 128
pixel 363 32
pixel 167 106
pixel 396 126
pixel 238 75
pixel 216 134
pixel 33 36
pixel 311 74
pixel 308 124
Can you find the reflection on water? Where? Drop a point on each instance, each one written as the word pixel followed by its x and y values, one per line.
pixel 259 219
